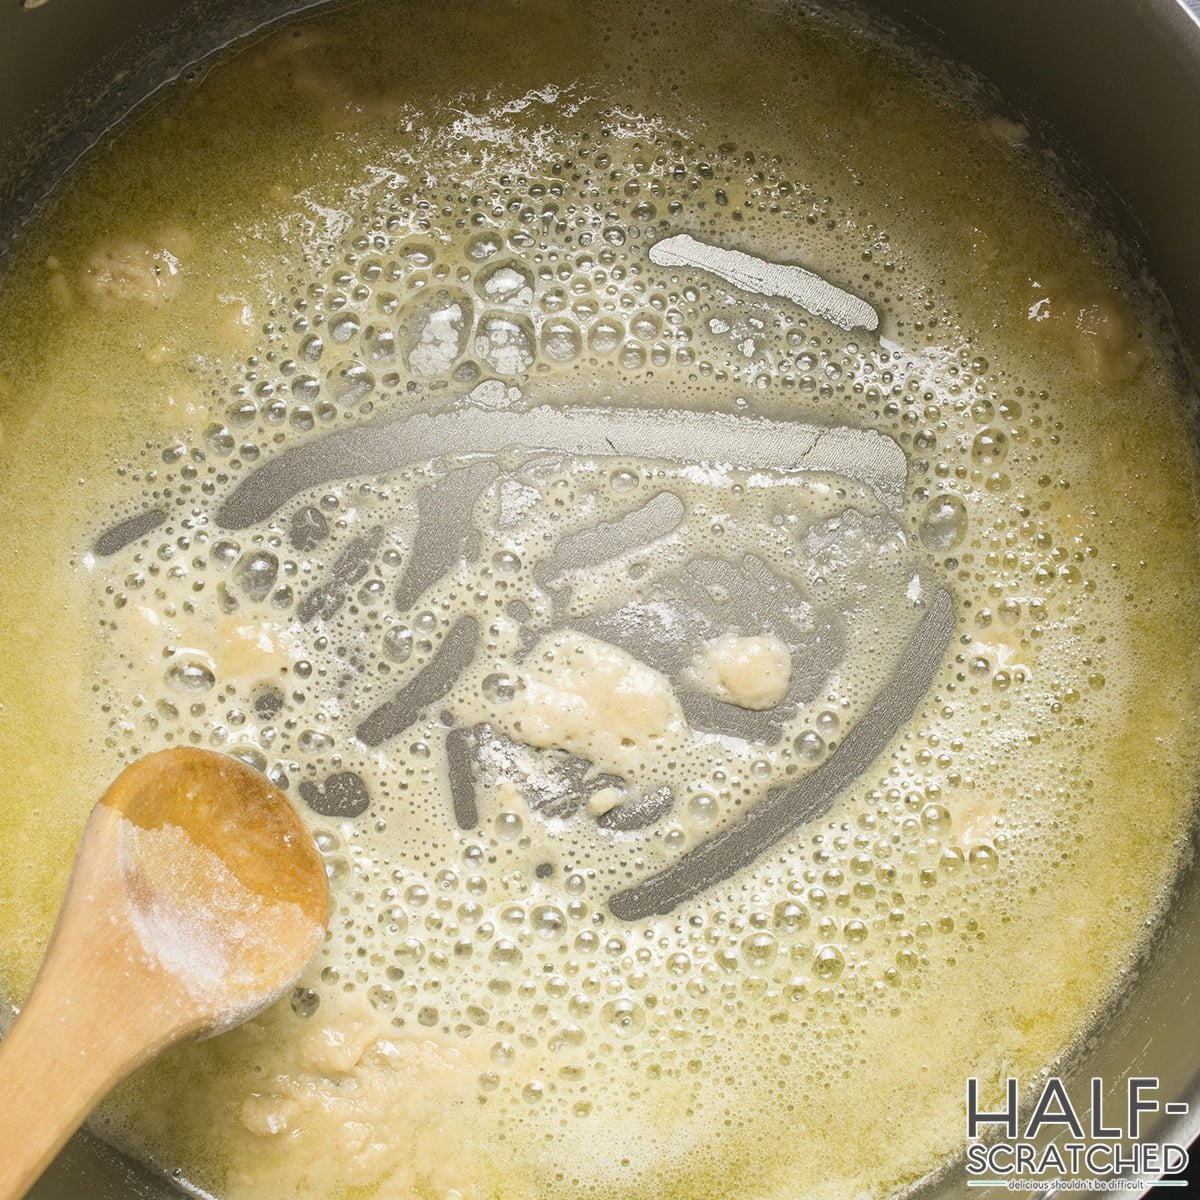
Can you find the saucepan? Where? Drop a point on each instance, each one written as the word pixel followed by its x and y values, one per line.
pixel 1116 85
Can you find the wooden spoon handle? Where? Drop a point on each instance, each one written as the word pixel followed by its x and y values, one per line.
pixel 99 1009
pixel 196 899
pixel 55 1066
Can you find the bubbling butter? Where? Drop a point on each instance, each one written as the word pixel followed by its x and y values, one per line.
pixel 596 701
pixel 752 672
pixel 532 561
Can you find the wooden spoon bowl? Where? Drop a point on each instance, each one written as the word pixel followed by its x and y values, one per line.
pixel 196 899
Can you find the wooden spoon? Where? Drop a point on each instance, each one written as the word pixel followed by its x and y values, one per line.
pixel 196 899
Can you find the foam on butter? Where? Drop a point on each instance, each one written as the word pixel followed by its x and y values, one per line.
pixel 531 562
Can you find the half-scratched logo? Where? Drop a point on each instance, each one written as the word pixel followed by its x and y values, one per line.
pixel 1109 1140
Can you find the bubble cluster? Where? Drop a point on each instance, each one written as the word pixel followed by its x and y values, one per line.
pixel 479 669
pixel 502 925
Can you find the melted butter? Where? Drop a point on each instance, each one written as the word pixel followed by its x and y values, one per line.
pixel 477 1025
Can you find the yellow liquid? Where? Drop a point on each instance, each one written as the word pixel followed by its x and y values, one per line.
pixel 474 1026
